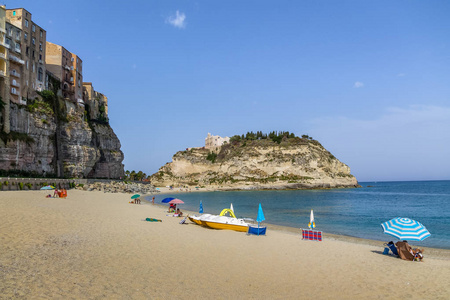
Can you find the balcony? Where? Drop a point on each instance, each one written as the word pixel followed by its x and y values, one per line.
pixel 67 68
pixel 16 84
pixel 16 59
pixel 23 102
pixel 14 93
pixel 3 56
pixel 14 74
pixel 18 38
pixel 2 43
pixel 18 50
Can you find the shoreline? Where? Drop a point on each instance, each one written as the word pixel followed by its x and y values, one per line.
pixel 436 252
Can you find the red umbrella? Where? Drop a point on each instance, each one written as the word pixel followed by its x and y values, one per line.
pixel 176 201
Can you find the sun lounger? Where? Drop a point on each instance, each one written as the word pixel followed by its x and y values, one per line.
pixel 391 246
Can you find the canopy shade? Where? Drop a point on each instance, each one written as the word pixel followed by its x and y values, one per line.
pixel 405 229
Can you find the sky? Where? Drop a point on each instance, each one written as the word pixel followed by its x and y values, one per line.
pixel 370 80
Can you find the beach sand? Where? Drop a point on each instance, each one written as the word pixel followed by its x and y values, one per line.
pixel 93 245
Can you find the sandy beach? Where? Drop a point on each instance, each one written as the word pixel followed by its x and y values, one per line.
pixel 94 245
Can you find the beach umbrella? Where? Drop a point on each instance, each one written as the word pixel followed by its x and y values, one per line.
pixel 135 196
pixel 260 217
pixel 176 201
pixel 167 200
pixel 47 187
pixel 200 210
pixel 311 224
pixel 405 229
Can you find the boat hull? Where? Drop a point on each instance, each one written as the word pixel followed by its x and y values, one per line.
pixel 216 225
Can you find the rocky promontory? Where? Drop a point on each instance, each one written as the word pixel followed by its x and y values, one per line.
pixel 287 163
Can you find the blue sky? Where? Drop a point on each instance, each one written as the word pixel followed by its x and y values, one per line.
pixel 370 80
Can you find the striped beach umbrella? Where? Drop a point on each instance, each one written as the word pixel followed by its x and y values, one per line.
pixel 406 229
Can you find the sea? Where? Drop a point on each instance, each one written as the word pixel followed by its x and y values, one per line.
pixel 356 212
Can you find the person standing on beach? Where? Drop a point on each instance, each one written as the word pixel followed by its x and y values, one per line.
pixel 153 200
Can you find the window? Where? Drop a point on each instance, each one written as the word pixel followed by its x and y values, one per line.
pixel 40 57
pixel 32 55
pixel 25 35
pixel 10 31
pixel 33 27
pixel 40 46
pixel 14 82
pixel 27 68
pixel 17 47
pixel 33 41
pixel 42 33
pixel 27 50
pixel 8 41
pixel 33 68
pixel 18 35
pixel 40 74
pixel 14 91
pixel 26 23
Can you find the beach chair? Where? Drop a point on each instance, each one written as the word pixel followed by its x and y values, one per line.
pixel 312 235
pixel 254 229
pixel 404 251
pixel 391 246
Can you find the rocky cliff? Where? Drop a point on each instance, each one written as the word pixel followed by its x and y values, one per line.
pixel 293 163
pixel 55 138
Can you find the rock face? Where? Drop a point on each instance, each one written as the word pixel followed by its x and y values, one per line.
pixel 41 143
pixel 295 163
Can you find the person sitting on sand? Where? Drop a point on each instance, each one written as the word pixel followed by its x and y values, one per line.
pixel 179 212
pixel 56 193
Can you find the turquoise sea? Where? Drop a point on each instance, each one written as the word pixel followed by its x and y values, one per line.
pixel 353 212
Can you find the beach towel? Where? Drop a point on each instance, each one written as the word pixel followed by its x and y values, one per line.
pixel 404 251
pixel 312 235
pixel 152 220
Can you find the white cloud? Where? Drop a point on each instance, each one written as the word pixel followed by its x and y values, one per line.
pixel 401 74
pixel 178 20
pixel 358 84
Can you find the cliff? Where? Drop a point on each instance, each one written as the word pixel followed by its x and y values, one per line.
pixel 54 137
pixel 294 163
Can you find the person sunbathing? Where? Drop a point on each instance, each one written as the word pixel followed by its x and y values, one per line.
pixel 179 212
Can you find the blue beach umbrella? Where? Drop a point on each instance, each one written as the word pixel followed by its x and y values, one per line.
pixel 200 210
pixel 167 200
pixel 405 229
pixel 260 216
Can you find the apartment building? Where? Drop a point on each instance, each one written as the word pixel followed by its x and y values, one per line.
pixel 16 63
pixel 4 72
pixel 68 68
pixel 32 43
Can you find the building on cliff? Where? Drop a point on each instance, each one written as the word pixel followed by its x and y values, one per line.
pixel 98 102
pixel 4 71
pixel 213 142
pixel 27 42
pixel 68 68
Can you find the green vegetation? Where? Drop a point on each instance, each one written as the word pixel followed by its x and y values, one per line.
pixel 16 136
pixel 20 185
pixel 211 157
pixel 133 176
pixel 29 185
